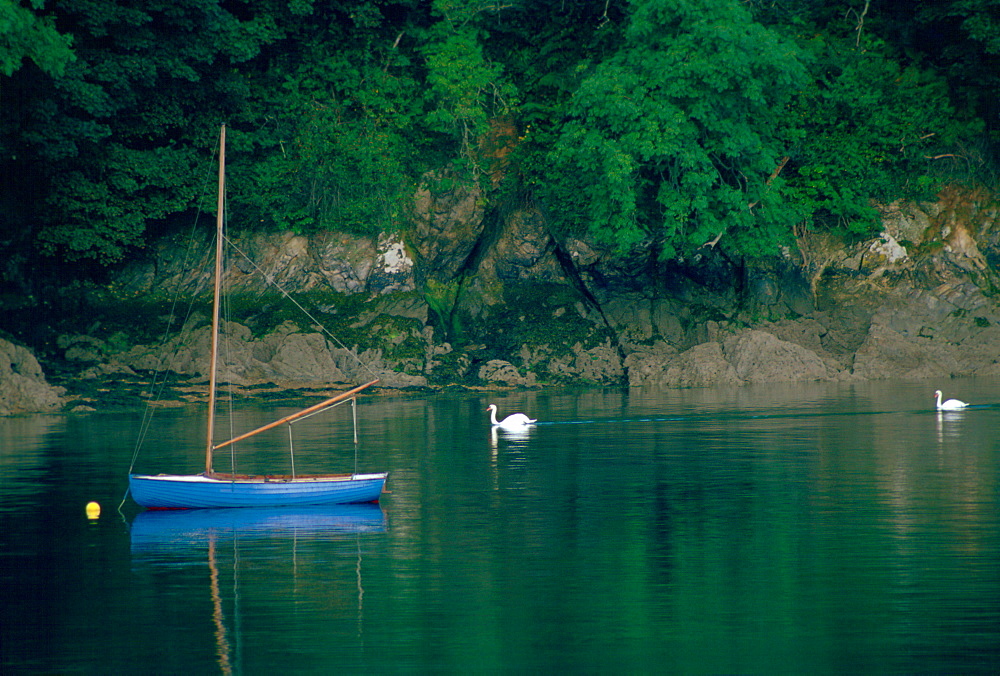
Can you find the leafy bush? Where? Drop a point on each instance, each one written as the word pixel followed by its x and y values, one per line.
pixel 872 129
pixel 673 139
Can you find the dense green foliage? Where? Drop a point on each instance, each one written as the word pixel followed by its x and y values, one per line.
pixel 674 136
pixel 26 35
pixel 662 124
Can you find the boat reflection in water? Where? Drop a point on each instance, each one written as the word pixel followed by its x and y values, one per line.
pixel 236 540
pixel 173 531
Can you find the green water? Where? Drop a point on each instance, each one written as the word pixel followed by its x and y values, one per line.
pixel 816 528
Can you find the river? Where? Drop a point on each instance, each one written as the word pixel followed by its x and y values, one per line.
pixel 820 528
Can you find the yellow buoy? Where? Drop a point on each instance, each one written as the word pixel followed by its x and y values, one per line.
pixel 93 510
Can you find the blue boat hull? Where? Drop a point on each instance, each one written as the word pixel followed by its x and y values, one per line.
pixel 199 491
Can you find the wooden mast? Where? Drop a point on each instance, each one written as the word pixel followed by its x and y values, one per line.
pixel 213 362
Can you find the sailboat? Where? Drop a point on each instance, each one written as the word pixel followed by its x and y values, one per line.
pixel 214 489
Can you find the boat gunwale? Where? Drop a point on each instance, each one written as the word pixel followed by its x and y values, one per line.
pixel 216 477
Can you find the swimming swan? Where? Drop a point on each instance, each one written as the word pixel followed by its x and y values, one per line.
pixel 514 421
pixel 950 405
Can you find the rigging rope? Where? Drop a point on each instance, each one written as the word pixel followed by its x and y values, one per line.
pixel 157 386
pixel 299 306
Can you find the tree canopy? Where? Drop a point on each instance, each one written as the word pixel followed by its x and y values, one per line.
pixel 647 124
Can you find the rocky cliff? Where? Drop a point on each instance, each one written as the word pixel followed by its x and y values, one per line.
pixel 496 299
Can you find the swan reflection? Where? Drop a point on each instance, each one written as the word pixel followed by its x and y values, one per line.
pixel 512 437
pixel 947 423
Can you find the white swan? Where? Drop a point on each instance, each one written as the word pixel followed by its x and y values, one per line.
pixel 514 421
pixel 950 405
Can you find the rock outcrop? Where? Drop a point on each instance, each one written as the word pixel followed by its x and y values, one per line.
pixel 286 356
pixel 23 388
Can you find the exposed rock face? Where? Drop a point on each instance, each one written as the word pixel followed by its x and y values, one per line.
pixel 947 331
pixel 393 269
pixel 285 356
pixel 759 357
pixel 700 366
pixel 448 221
pixel 23 388
pixel 748 357
pixel 463 296
pixel 500 371
pixel 335 262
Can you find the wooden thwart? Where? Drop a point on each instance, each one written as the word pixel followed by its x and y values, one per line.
pixel 278 478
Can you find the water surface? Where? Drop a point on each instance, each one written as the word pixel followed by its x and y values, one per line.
pixel 814 528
